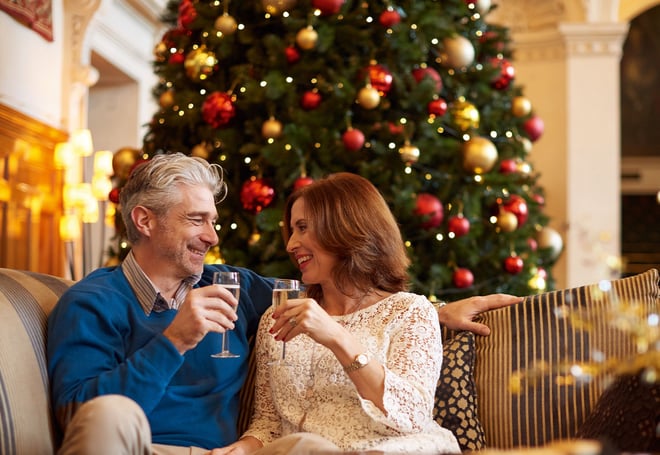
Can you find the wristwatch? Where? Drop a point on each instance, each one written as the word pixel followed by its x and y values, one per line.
pixel 360 361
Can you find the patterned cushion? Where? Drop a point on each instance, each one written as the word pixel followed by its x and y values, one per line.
pixel 524 335
pixel 26 299
pixel 626 416
pixel 456 395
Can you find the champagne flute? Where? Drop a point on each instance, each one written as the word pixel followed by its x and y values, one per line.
pixel 232 282
pixel 283 290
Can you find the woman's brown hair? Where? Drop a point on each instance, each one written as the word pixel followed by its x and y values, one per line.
pixel 351 220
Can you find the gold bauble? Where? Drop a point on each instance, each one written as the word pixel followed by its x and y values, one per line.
pixel 271 128
pixel 520 106
pixel 464 115
pixel 166 99
pixel 479 155
pixel 161 51
pixel 276 7
pixel 123 160
pixel 507 221
pixel 201 151
pixel 226 24
pixel 368 97
pixel 306 38
pixel 409 153
pixel 200 63
pixel 458 52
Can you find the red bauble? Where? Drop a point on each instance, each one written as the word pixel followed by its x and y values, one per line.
pixel 462 278
pixel 353 139
pixel 459 225
pixel 328 7
pixel 429 207
pixel 176 59
pixel 420 73
pixel 540 200
pixel 187 14
pixel 437 107
pixel 518 206
pixel 380 78
pixel 508 166
pixel 218 109
pixel 311 99
pixel 256 195
pixel 534 127
pixel 302 181
pixel 113 195
pixel 389 18
pixel 292 54
pixel 513 264
pixel 395 128
pixel 505 76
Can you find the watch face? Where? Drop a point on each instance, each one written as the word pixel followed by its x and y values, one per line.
pixel 362 359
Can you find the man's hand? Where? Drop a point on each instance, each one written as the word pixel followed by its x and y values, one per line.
pixel 460 315
pixel 206 309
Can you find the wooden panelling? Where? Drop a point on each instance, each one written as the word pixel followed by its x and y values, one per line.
pixel 30 195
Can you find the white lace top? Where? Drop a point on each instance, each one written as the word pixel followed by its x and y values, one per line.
pixel 312 393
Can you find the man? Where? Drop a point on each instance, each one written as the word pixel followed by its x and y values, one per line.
pixel 129 348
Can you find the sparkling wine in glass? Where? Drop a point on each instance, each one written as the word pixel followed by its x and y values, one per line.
pixel 232 282
pixel 283 290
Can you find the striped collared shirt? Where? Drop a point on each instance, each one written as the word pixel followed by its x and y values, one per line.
pixel 148 295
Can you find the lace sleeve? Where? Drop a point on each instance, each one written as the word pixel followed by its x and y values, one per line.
pixel 265 421
pixel 412 368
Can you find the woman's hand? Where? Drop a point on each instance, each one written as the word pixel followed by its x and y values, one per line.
pixel 305 316
pixel 460 315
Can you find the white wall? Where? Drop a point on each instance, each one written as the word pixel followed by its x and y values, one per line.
pixel 31 74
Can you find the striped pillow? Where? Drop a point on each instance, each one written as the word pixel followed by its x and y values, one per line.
pixel 26 424
pixel 531 332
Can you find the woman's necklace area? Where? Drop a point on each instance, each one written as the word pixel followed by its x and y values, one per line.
pixel 310 383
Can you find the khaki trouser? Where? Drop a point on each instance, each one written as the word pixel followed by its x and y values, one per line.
pixel 116 425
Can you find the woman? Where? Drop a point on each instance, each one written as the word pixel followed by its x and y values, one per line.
pixel 363 355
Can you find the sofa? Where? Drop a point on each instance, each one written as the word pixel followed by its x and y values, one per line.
pixel 474 396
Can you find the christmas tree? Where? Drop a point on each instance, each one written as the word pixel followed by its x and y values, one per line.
pixel 417 96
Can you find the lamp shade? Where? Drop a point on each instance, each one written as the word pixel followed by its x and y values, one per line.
pixel 103 162
pixel 82 142
pixel 64 155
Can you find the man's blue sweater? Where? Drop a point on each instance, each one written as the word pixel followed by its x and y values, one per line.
pixel 100 341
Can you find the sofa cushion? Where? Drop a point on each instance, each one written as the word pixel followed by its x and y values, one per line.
pixel 627 415
pixel 456 394
pixel 534 333
pixel 26 299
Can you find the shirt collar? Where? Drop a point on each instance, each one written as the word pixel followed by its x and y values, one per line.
pixel 149 297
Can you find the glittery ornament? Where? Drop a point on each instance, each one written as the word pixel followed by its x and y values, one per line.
pixel 380 78
pixel 256 195
pixel 464 115
pixel 200 63
pixel 218 109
